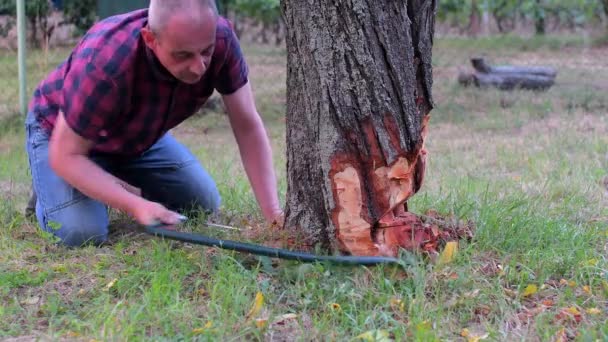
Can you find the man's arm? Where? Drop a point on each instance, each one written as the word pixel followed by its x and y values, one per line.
pixel 255 150
pixel 68 157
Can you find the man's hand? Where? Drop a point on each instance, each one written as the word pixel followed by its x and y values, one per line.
pixel 278 220
pixel 148 213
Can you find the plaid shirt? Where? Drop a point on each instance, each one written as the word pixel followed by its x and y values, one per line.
pixel 113 90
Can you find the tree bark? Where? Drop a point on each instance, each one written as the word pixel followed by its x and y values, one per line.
pixel 359 85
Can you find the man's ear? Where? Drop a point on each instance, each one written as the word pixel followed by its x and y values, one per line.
pixel 149 37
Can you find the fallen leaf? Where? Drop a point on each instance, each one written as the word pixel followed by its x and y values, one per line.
pixel 448 253
pixel 374 336
pixel 587 289
pixel 561 335
pixel 510 293
pixel 73 334
pixel 257 305
pixel 284 318
pixel 572 283
pixel 574 311
pixel 111 284
pixel 477 338
pixel 530 290
pixel 483 310
pixel 199 331
pixel 464 332
pixel 593 311
pixel 31 300
pixel 569 313
pixel 335 307
pixel 547 302
pixel 471 294
pixel 261 322
pixel 397 304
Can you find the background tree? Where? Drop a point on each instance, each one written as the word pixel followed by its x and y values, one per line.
pixel 81 13
pixel 358 96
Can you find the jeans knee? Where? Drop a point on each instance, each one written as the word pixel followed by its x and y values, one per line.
pixel 207 200
pixel 77 228
pixel 77 234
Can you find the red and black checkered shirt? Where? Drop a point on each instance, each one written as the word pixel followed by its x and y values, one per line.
pixel 113 90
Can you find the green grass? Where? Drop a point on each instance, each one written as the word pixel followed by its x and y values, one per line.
pixel 528 169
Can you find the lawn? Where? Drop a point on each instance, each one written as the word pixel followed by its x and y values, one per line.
pixel 529 169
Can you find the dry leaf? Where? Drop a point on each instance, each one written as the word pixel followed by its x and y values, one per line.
pixel 111 284
pixel 31 300
pixel 335 307
pixel 573 310
pixel 587 289
pixel 464 332
pixel 510 293
pixel 530 290
pixel 397 304
pixel 73 334
pixel 477 338
pixel 257 305
pixel 547 302
pixel 569 313
pixel 261 322
pixel 471 294
pixel 561 335
pixel 594 311
pixel 284 318
pixel 199 331
pixel 374 336
pixel 448 253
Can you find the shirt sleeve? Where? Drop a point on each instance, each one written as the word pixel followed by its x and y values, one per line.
pixel 234 72
pixel 90 101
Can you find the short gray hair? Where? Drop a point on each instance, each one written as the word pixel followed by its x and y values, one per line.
pixel 160 11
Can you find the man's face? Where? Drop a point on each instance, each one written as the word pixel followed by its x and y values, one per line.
pixel 185 46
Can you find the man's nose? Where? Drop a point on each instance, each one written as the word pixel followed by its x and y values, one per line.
pixel 198 67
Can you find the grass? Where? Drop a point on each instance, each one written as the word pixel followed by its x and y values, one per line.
pixel 527 168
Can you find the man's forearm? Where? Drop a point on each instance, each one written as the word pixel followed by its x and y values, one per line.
pixel 90 179
pixel 257 158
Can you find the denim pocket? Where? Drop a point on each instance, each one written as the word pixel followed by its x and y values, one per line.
pixel 36 135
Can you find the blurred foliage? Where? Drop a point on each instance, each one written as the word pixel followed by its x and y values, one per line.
pixel 545 14
pixel 81 13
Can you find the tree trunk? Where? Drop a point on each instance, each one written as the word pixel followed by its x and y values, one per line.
pixel 605 5
pixel 539 17
pixel 359 85
pixel 474 20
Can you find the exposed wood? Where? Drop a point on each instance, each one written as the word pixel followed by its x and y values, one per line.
pixel 358 97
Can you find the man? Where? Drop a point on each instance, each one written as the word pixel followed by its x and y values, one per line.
pixel 97 125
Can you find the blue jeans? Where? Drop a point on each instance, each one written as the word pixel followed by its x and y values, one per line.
pixel 166 173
